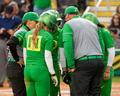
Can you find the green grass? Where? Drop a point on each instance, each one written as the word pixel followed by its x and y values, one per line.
pixel 116 79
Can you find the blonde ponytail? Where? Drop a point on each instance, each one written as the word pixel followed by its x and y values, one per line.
pixel 38 27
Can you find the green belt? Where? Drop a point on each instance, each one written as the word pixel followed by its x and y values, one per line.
pixel 91 57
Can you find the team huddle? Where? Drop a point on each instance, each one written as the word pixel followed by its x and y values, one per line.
pixel 41 51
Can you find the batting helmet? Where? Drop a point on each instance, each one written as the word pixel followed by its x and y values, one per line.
pixel 56 14
pixel 49 19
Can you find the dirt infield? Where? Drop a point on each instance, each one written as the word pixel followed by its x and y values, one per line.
pixel 6 91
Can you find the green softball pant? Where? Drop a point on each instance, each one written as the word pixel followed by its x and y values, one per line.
pixel 38 81
pixel 107 85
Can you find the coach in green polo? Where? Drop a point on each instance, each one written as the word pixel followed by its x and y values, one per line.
pixel 83 54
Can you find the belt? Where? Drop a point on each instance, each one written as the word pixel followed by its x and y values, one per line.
pixel 91 57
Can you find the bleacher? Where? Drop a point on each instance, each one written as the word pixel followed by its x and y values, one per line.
pixel 105 10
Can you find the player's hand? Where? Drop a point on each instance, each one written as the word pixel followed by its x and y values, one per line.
pixel 55 80
pixel 20 62
pixel 71 70
pixel 107 73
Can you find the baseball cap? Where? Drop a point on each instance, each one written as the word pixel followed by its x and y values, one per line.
pixel 71 10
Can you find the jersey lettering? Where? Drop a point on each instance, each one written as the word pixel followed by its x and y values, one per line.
pixel 55 44
pixel 37 45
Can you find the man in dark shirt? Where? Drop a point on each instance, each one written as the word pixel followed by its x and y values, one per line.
pixel 8 22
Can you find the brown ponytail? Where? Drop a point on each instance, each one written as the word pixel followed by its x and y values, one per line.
pixel 38 27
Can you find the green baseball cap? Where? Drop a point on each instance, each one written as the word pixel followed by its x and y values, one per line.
pixel 92 17
pixel 30 16
pixel 71 10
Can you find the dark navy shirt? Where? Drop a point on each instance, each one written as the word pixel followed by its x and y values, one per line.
pixel 9 23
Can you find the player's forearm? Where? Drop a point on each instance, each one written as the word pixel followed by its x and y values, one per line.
pixel 62 57
pixel 12 43
pixel 24 55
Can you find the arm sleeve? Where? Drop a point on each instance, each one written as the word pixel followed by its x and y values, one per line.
pixel 48 54
pixel 24 55
pixel 62 58
pixel 109 45
pixel 111 55
pixel 68 45
pixel 49 61
pixel 12 43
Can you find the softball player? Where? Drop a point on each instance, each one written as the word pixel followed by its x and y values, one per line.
pixel 55 33
pixel 107 45
pixel 38 48
pixel 15 67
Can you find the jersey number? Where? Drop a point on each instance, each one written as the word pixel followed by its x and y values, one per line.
pixel 37 45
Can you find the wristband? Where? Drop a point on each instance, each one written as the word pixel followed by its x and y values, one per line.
pixel 53 74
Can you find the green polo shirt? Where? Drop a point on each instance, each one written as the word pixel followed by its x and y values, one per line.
pixel 68 45
pixel 21 33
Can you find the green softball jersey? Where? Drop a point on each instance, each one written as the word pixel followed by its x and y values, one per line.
pixel 42 3
pixel 106 42
pixel 54 89
pixel 56 40
pixel 35 56
pixel 55 46
pixel 20 34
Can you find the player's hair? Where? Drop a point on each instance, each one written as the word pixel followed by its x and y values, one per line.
pixel 118 9
pixel 38 27
pixel 100 25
